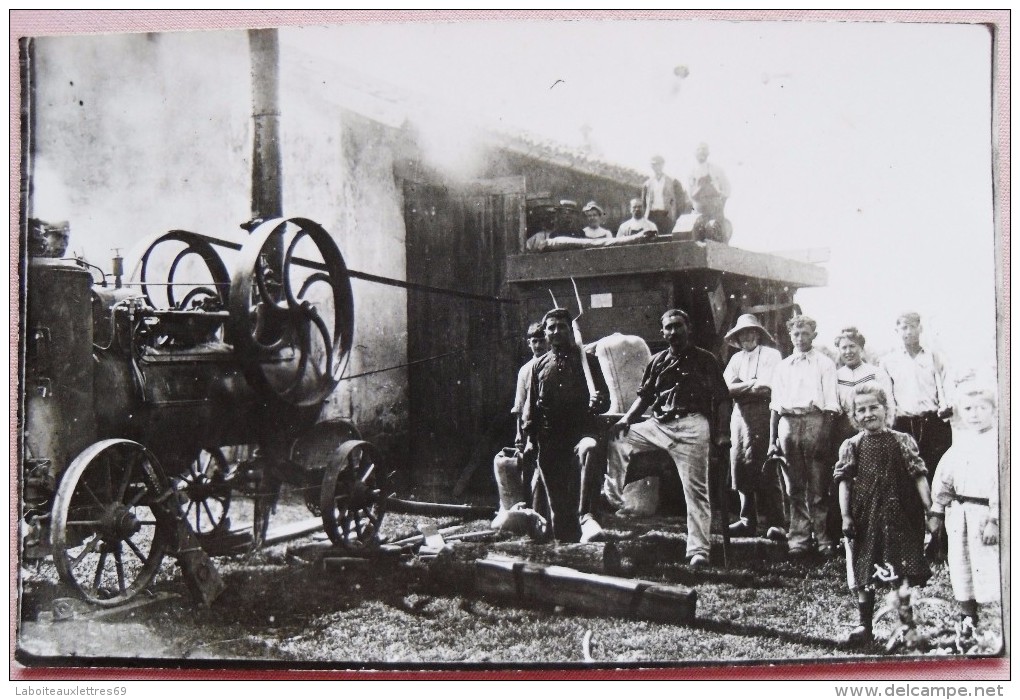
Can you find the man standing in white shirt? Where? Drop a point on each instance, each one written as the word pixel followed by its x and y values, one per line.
pixel 923 408
pixel 803 405
pixel 663 197
pixel 748 376
pixel 918 384
pixel 708 184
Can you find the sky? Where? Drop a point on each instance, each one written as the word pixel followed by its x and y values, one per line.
pixel 871 140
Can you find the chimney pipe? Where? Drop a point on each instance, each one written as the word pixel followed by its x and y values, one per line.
pixel 266 165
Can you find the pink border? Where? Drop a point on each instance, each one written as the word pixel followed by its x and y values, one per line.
pixel 55 22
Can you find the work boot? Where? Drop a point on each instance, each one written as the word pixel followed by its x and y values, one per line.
pixel 699 561
pixel 741 528
pixel 860 636
pixel 863 634
pixel 591 531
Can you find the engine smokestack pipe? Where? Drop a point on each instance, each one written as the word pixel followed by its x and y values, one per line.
pixel 266 165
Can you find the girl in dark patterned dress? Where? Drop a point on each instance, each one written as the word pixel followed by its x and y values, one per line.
pixel 883 498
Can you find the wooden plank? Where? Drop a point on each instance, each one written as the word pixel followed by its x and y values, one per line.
pixel 618 557
pixel 529 583
pixel 643 321
pixel 659 256
pixel 292 531
pixel 662 256
pixel 438 510
pixel 765 266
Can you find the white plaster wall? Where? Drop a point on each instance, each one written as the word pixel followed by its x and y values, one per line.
pixel 142 133
pixel 338 171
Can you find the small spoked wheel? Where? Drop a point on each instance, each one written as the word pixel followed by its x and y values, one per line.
pixel 107 539
pixel 353 498
pixel 208 492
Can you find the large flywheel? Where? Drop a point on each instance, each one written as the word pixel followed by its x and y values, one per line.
pixel 205 282
pixel 291 310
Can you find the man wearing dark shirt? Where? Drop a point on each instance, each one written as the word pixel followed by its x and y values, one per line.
pixel 690 405
pixel 559 420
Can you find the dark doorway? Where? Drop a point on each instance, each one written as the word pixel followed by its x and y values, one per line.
pixel 464 353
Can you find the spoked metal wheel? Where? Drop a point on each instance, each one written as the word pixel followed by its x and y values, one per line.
pixel 106 539
pixel 315 447
pixel 353 498
pixel 205 275
pixel 208 492
pixel 291 311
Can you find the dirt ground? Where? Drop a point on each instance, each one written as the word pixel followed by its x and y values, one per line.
pixel 283 608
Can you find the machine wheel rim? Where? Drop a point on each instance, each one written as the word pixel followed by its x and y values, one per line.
pixel 107 543
pixel 271 313
pixel 353 498
pixel 207 491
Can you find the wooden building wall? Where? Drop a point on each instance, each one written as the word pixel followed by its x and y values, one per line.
pixel 464 353
pixel 544 179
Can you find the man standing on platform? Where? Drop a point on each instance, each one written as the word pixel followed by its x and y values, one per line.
pixel 707 184
pixel 663 198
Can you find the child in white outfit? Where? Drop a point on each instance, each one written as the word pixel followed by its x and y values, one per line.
pixel 965 491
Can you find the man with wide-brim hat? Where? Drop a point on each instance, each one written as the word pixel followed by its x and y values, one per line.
pixel 748 376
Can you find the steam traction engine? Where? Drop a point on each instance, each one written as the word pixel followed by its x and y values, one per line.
pixel 136 392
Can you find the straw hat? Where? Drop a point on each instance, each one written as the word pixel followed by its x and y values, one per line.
pixel 744 322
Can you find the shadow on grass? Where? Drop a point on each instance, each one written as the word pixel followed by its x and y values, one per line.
pixel 751 630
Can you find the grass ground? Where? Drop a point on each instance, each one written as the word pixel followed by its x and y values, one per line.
pixel 280 609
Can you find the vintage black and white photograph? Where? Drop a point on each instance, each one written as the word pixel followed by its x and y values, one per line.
pixel 591 340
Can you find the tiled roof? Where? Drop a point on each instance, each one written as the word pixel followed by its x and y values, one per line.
pixel 533 146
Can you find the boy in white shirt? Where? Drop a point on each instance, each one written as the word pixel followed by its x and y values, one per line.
pixel 803 405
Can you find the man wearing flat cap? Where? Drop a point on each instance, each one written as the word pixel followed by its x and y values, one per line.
pixel 685 390
pixel 663 197
pixel 594 215
pixel 748 377
pixel 559 423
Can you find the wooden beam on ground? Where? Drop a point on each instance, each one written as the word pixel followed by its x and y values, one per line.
pixel 315 551
pixel 621 557
pixel 527 583
pixel 439 510
pixel 292 531
pixel 72 608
